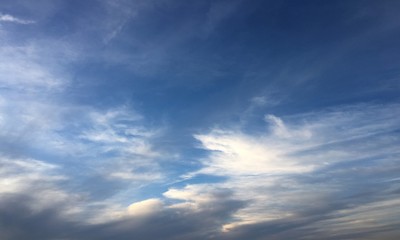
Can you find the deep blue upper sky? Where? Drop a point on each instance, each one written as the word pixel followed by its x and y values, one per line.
pixel 225 119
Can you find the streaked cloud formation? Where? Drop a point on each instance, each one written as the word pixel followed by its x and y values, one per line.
pixel 199 120
pixel 281 171
pixel 10 18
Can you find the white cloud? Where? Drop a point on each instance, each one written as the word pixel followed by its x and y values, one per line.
pixel 36 115
pixel 128 171
pixel 192 196
pixel 20 69
pixel 18 174
pixel 264 169
pixel 238 154
pixel 120 130
pixel 279 127
pixel 115 142
pixel 257 102
pixel 10 18
pixel 145 207
pixel 38 180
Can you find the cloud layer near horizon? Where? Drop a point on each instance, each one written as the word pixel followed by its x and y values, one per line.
pixel 263 192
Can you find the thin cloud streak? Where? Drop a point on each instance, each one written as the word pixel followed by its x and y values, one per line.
pixel 12 19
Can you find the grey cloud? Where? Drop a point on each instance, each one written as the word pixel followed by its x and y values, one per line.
pixel 359 205
pixel 333 201
pixel 19 221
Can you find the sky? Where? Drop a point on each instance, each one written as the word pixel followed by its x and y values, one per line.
pixel 212 119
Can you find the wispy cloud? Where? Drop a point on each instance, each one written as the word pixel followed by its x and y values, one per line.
pixel 37 180
pixel 269 169
pixel 22 70
pixel 13 19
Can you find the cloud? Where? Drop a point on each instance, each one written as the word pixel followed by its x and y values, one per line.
pixel 39 182
pixel 238 154
pixel 148 219
pixel 83 150
pixel 302 165
pixel 39 119
pixel 21 70
pixel 287 147
pixel 116 130
pixel 18 173
pixel 10 18
pixel 121 133
pixel 341 197
pixel 218 12
pixel 115 143
pixel 119 12
pixel 145 207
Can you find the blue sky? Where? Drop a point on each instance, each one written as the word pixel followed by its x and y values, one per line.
pixel 222 119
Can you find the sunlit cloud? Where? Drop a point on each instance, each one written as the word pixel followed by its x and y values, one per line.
pixel 267 169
